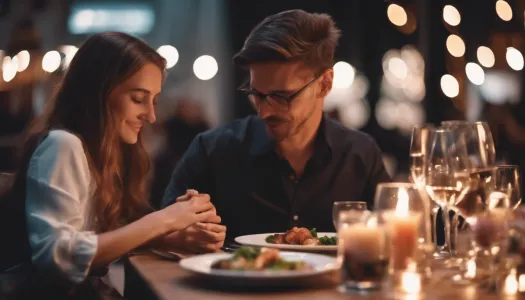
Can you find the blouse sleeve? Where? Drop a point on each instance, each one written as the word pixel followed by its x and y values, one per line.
pixel 58 187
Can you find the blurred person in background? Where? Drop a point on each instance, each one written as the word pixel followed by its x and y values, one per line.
pixel 16 100
pixel 187 121
pixel 78 201
pixel 286 166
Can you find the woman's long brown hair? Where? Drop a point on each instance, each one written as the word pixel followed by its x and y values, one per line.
pixel 80 106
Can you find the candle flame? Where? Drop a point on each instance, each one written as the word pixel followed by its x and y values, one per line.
pixel 511 284
pixel 521 283
pixel 410 282
pixel 471 268
pixel 402 203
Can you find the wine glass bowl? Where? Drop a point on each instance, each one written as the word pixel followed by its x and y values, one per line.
pixel 340 206
pixel 418 152
pixel 480 137
pixel 507 181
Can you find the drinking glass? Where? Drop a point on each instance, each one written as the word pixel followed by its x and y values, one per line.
pixel 406 211
pixel 340 206
pixel 486 142
pixel 440 184
pixel 419 143
pixel 508 182
pixel 473 169
pixel 363 250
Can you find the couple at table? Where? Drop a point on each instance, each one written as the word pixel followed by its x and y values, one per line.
pixel 81 185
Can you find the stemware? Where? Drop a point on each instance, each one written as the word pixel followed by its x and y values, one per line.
pixel 419 143
pixel 508 181
pixel 445 148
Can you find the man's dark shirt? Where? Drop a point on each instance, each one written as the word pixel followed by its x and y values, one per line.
pixel 255 191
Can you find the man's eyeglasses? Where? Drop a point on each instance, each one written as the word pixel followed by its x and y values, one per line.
pixel 275 100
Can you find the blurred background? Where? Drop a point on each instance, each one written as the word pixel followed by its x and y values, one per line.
pixel 398 64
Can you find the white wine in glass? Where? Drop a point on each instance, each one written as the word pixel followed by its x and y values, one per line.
pixel 439 177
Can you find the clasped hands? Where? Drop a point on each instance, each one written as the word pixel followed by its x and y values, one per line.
pixel 201 237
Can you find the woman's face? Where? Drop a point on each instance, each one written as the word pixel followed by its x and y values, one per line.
pixel 133 101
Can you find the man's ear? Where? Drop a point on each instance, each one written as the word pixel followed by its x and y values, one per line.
pixel 326 80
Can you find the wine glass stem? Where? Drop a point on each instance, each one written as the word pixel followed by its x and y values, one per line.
pixel 435 211
pixel 446 221
pixel 492 270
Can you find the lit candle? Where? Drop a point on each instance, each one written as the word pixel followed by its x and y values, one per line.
pixel 363 253
pixel 363 243
pixel 404 226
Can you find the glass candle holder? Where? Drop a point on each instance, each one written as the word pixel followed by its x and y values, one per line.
pixel 363 250
pixel 406 210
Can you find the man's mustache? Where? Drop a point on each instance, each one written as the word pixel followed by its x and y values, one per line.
pixel 273 120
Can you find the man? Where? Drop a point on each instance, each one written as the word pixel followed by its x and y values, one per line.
pixel 288 165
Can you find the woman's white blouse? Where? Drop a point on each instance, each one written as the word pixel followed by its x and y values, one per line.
pixel 59 194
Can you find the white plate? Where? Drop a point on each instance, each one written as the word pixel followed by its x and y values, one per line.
pixel 259 240
pixel 201 264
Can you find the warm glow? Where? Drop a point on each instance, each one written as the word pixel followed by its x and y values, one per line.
pixel 205 67
pixel 504 10
pixel 451 15
pixel 471 269
pixel 402 203
pixel 9 67
pixel 510 287
pixel 521 283
pixel 344 75
pixel 386 113
pixel 51 61
pixel 397 15
pixel 398 67
pixel 170 54
pixel 486 57
pixel 411 280
pixel 449 86
pixel 69 52
pixel 514 58
pixel 23 60
pixel 475 73
pixel 455 45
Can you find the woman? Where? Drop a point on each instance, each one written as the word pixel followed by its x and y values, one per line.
pixel 84 168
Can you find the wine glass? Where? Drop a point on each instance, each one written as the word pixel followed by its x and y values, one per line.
pixel 439 176
pixel 508 181
pixel 474 171
pixel 340 206
pixel 485 140
pixel 418 151
pixel 480 154
pixel 419 143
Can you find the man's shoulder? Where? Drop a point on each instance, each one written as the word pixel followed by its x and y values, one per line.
pixel 350 137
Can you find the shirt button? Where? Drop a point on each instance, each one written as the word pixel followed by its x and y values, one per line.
pixel 296 217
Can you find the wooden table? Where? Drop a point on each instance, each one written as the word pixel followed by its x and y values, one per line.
pixel 151 277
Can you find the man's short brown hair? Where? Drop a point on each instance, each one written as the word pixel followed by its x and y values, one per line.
pixel 291 36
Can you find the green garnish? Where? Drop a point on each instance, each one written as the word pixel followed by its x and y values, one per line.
pixel 247 253
pixel 313 232
pixel 280 265
pixel 270 239
pixel 325 240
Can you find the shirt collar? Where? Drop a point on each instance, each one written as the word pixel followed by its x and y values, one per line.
pixel 262 143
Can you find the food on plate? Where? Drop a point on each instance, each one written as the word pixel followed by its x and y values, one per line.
pixel 300 236
pixel 255 259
